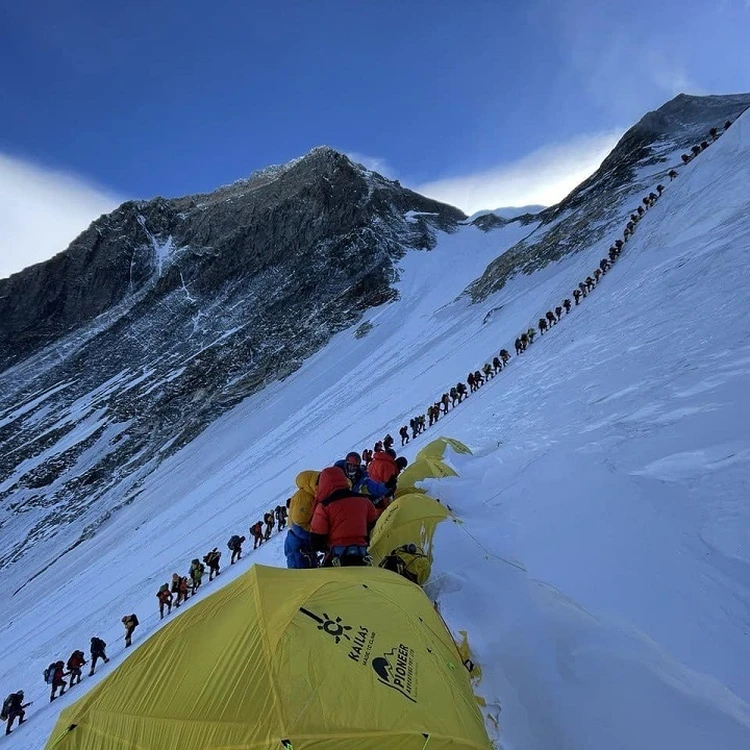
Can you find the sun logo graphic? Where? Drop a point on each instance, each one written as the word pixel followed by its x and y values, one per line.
pixel 331 625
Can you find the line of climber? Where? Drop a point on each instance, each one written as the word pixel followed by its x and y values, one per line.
pixel 168 595
pixel 456 394
pixel 713 135
pixel 333 512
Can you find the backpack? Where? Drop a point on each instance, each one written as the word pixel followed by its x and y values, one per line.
pixel 408 561
pixel 49 673
pixel 233 542
pixel 134 620
pixel 164 587
pixel 97 645
pixel 7 703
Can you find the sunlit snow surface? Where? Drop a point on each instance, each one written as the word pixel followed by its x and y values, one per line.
pixel 602 567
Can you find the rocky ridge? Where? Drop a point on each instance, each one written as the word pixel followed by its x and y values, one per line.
pixel 593 210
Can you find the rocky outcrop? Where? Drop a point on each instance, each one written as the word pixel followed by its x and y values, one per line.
pixel 593 210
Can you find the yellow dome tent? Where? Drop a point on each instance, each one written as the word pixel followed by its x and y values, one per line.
pixel 429 463
pixel 411 519
pixel 330 659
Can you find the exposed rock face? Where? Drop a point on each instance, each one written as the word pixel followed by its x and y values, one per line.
pixel 165 313
pixel 592 211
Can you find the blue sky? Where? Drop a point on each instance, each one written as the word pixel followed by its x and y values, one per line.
pixel 482 103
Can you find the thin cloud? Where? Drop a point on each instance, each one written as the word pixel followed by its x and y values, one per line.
pixel 42 211
pixel 542 177
pixel 627 67
pixel 373 163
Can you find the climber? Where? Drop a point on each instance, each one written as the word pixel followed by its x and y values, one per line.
pixel 360 479
pixel 367 455
pixel 386 473
pixel 183 591
pixel 461 390
pixel 453 393
pixel 13 708
pixel 577 296
pixel 597 274
pixel 714 133
pixel 660 189
pixel 342 520
pixel 297 546
pixel 603 265
pixel 195 573
pixel 387 442
pixel 470 381
pixel 497 366
pixel 696 150
pixel 672 174
pixel 566 305
pixel 518 345
pixel 704 145
pixel 524 341
pixel 197 569
pixel 235 547
pixel 478 379
pixel 583 288
pixel 212 559
pixel 550 318
pixel 505 356
pixel 487 370
pixel 131 623
pixel 56 677
pixel 558 313
pixel 542 326
pixel 589 283
pixel 430 415
pixel 641 211
pixel 281 513
pixel 98 651
pixel 75 662
pixel 164 595
pixel 268 520
pixel 444 401
pixel 727 125
pixel 531 332
pixel 257 533
pixel 175 586
pixel 685 158
pixel 378 446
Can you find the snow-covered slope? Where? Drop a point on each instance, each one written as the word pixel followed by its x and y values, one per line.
pixel 601 569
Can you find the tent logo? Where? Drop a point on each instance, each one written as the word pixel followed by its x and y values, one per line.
pixel 330 625
pixel 396 669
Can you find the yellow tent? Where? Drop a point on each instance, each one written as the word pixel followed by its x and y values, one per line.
pixel 411 519
pixel 331 659
pixel 428 464
pixel 436 449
